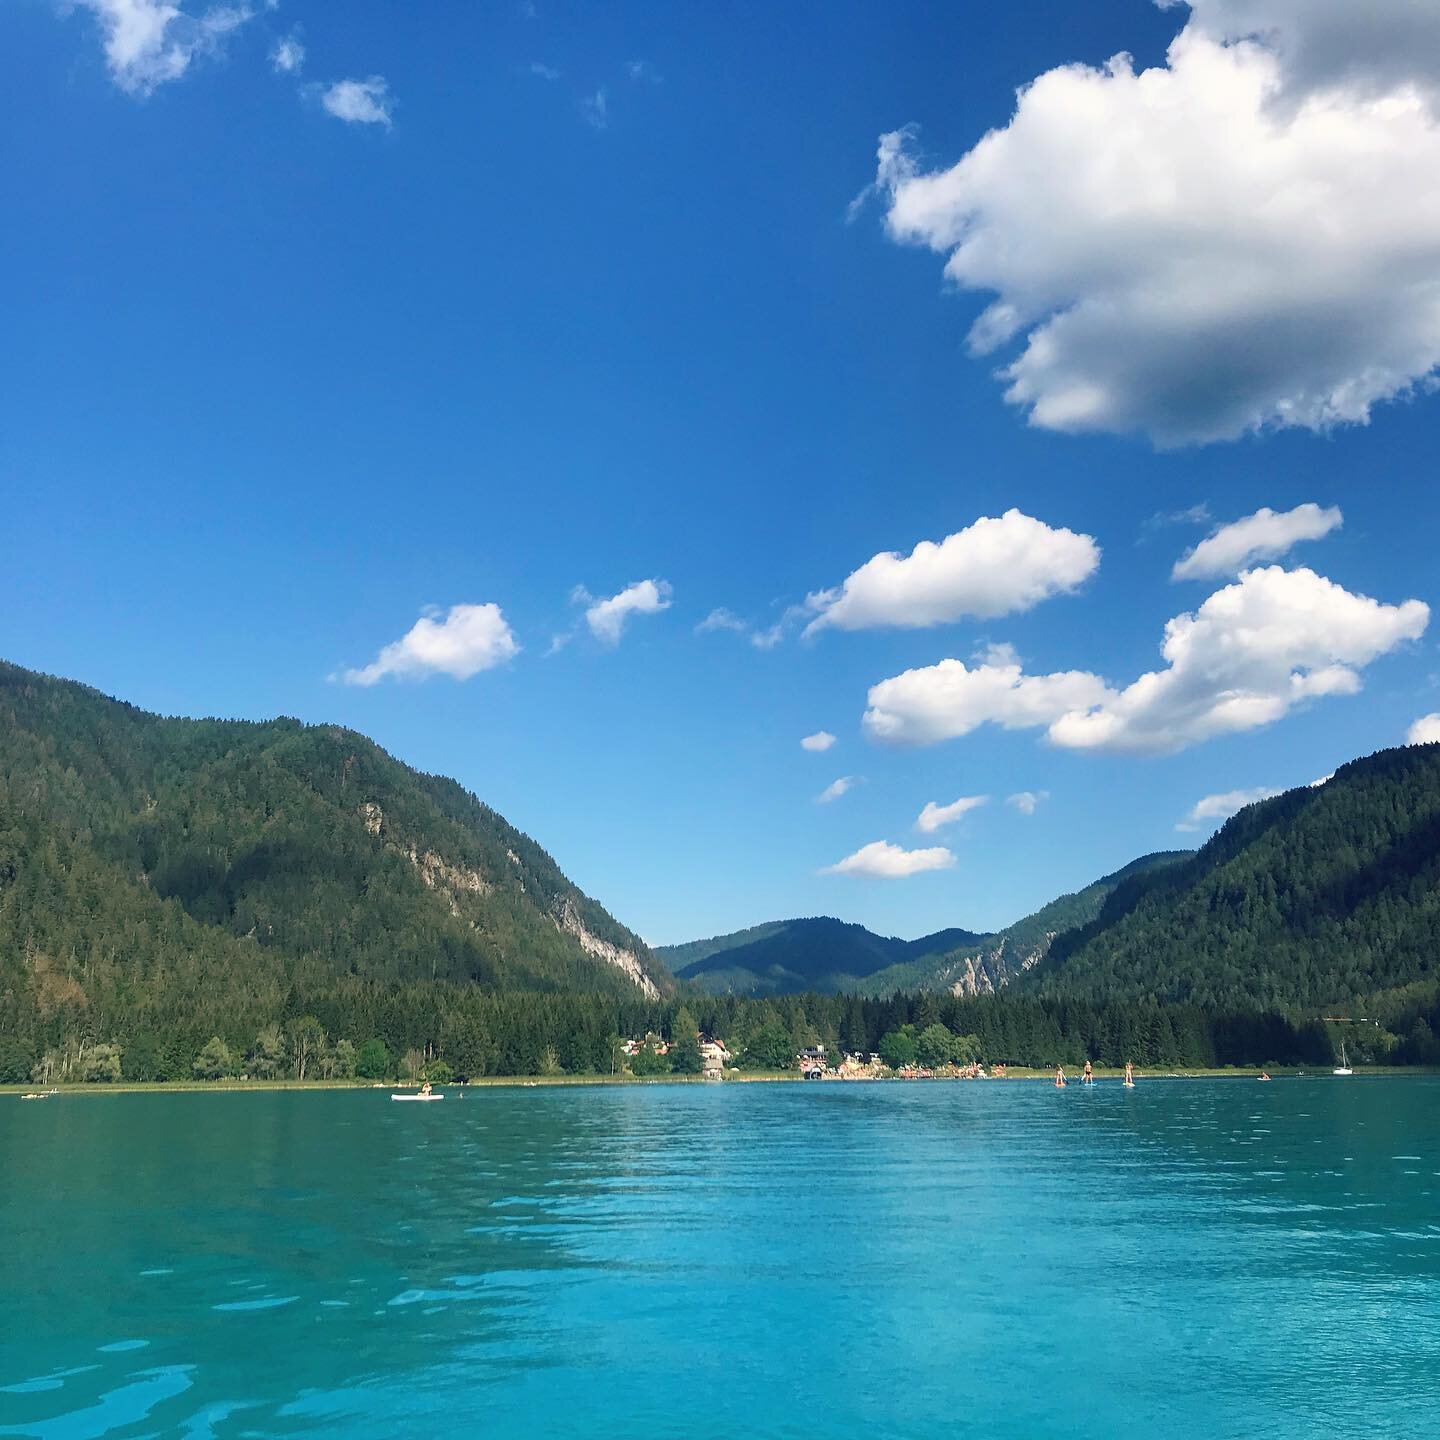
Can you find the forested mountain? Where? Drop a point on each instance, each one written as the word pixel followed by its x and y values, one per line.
pixel 1320 896
pixel 196 897
pixel 1308 900
pixel 158 872
pixel 786 957
pixel 983 964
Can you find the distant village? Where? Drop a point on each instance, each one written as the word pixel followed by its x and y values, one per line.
pixel 811 1063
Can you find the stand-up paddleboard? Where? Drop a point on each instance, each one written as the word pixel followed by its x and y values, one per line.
pixel 1129 1084
pixel 417 1097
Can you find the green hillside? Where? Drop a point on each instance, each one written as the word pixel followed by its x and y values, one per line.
pixel 679 958
pixel 982 964
pixel 786 957
pixel 1307 900
pixel 158 867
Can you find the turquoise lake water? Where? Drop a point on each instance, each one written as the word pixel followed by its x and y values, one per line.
pixel 1191 1258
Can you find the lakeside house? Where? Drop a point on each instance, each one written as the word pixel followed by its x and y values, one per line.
pixel 713 1058
pixel 632 1048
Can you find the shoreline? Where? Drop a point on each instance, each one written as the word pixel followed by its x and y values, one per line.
pixel 529 1082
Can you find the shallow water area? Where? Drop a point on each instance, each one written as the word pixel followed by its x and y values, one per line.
pixel 1190 1258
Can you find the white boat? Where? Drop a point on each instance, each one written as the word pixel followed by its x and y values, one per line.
pixel 420 1095
pixel 1343 1068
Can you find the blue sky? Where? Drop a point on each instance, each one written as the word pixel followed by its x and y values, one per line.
pixel 291 356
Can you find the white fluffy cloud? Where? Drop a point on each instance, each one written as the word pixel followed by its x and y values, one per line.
pixel 607 618
pixel 819 742
pixel 1027 802
pixel 997 566
pixel 1222 807
pixel 1245 237
pixel 1251 652
pixel 836 788
pixel 882 860
pixel 359 102
pixel 151 42
pixel 1425 731
pixel 1371 48
pixel 467 640
pixel 288 56
pixel 945 701
pixel 1265 535
pixel 935 817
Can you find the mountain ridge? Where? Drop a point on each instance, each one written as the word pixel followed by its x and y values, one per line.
pixel 787 956
pixel 1317 896
pixel 784 956
pixel 993 962
pixel 271 852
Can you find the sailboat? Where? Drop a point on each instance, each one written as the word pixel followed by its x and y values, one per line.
pixel 1343 1068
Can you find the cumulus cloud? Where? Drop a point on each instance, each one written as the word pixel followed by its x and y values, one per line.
pixel 1370 49
pixel 882 860
pixel 151 42
pixel 935 817
pixel 607 618
pixel 836 788
pixel 1425 731
pixel 819 742
pixel 1265 535
pixel 359 102
pixel 467 640
pixel 1255 649
pixel 1027 802
pixel 1245 237
pixel 288 56
pixel 1221 807
pixel 950 699
pixel 997 566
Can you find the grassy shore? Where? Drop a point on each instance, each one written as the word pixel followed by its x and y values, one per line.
pixel 246 1087
pixel 243 1087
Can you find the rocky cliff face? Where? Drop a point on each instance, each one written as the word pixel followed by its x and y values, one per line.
pixel 568 922
pixel 985 964
pixel 454 882
pixel 991 969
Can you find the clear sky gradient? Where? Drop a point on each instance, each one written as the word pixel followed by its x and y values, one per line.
pixel 277 373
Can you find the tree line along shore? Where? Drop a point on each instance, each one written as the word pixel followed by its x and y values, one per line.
pixel 361 1031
